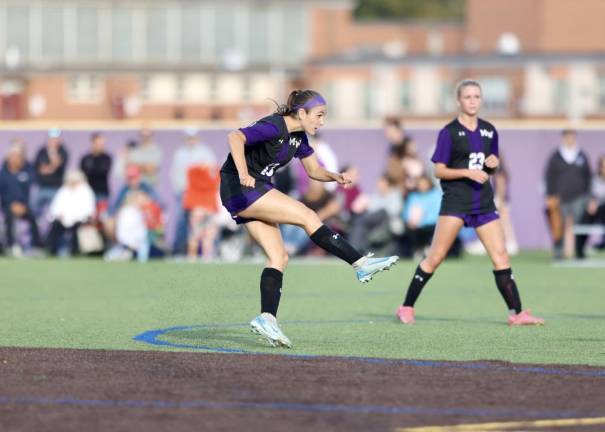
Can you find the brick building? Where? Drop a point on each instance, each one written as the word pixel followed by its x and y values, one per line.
pixel 199 59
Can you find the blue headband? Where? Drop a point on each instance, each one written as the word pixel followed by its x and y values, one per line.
pixel 311 103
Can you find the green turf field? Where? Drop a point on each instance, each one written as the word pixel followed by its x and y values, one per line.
pixel 324 310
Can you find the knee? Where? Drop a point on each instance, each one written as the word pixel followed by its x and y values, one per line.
pixel 500 259
pixel 279 261
pixel 433 260
pixel 310 221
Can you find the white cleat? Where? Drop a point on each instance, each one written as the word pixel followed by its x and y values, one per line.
pixel 374 265
pixel 266 326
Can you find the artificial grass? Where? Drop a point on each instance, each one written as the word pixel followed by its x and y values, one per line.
pixel 88 303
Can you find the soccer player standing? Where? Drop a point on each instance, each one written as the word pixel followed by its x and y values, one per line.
pixel 248 194
pixel 465 156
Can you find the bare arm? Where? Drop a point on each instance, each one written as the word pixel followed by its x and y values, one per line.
pixel 442 172
pixel 237 141
pixel 317 172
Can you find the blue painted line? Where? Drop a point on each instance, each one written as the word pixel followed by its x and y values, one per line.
pixel 292 406
pixel 151 337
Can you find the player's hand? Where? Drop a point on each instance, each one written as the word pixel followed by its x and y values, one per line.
pixel 247 180
pixel 492 161
pixel 477 175
pixel 344 179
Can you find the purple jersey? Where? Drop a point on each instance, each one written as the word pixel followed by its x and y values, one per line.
pixel 269 146
pixel 461 148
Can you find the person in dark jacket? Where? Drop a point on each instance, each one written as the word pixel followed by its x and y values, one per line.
pixel 568 178
pixel 16 179
pixel 96 165
pixel 50 164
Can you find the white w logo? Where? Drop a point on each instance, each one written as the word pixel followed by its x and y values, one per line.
pixel 486 133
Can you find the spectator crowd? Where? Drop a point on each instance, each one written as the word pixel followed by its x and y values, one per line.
pixel 48 209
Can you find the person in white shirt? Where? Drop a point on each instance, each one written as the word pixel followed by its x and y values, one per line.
pixel 73 204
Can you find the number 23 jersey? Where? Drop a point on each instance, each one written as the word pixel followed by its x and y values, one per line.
pixel 461 148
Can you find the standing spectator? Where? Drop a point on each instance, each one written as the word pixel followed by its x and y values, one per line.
pixel 72 205
pixel 96 166
pixel 50 164
pixel 568 181
pixel 193 153
pixel 393 132
pixel 147 156
pixel 16 180
pixel 200 202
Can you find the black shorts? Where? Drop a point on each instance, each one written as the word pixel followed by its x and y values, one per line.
pixel 237 198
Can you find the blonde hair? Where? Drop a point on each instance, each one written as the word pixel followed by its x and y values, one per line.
pixel 466 83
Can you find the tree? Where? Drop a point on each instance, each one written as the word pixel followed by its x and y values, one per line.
pixel 410 9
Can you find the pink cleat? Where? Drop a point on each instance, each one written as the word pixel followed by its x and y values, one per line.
pixel 524 318
pixel 405 314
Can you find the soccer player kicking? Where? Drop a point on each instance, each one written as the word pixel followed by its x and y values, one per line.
pixel 248 194
pixel 466 153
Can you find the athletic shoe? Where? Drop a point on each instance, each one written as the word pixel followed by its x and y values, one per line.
pixel 524 318
pixel 366 272
pixel 266 326
pixel 405 314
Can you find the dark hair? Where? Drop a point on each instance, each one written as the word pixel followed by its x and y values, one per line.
pixel 568 132
pixel 297 100
pixel 392 121
pixel 95 135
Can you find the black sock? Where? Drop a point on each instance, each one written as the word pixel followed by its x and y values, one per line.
pixel 270 290
pixel 418 282
pixel 508 289
pixel 333 242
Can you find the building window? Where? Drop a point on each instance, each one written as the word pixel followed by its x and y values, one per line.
pixel 191 36
pixel 560 95
pixel 601 91
pixel 17 31
pixel 53 25
pixel 368 99
pixel 405 95
pixel 161 88
pixel 157 36
pixel 121 34
pixel 447 98
pixel 496 94
pixel 87 29
pixel 84 88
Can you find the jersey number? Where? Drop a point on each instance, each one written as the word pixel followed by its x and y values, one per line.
pixel 269 169
pixel 475 161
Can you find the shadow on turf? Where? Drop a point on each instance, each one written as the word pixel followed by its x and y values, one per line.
pixel 429 318
pixel 241 337
pixel 583 316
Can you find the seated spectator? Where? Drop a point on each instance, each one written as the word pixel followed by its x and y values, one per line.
pixel 16 180
pixel 420 214
pixel 378 220
pixel 50 165
pixel 96 166
pixel 200 201
pixel 322 202
pixel 72 206
pixel 139 229
pixel 595 212
pixel 134 183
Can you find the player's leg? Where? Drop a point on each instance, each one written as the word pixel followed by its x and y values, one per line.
pixel 446 232
pixel 269 238
pixel 491 235
pixel 278 208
